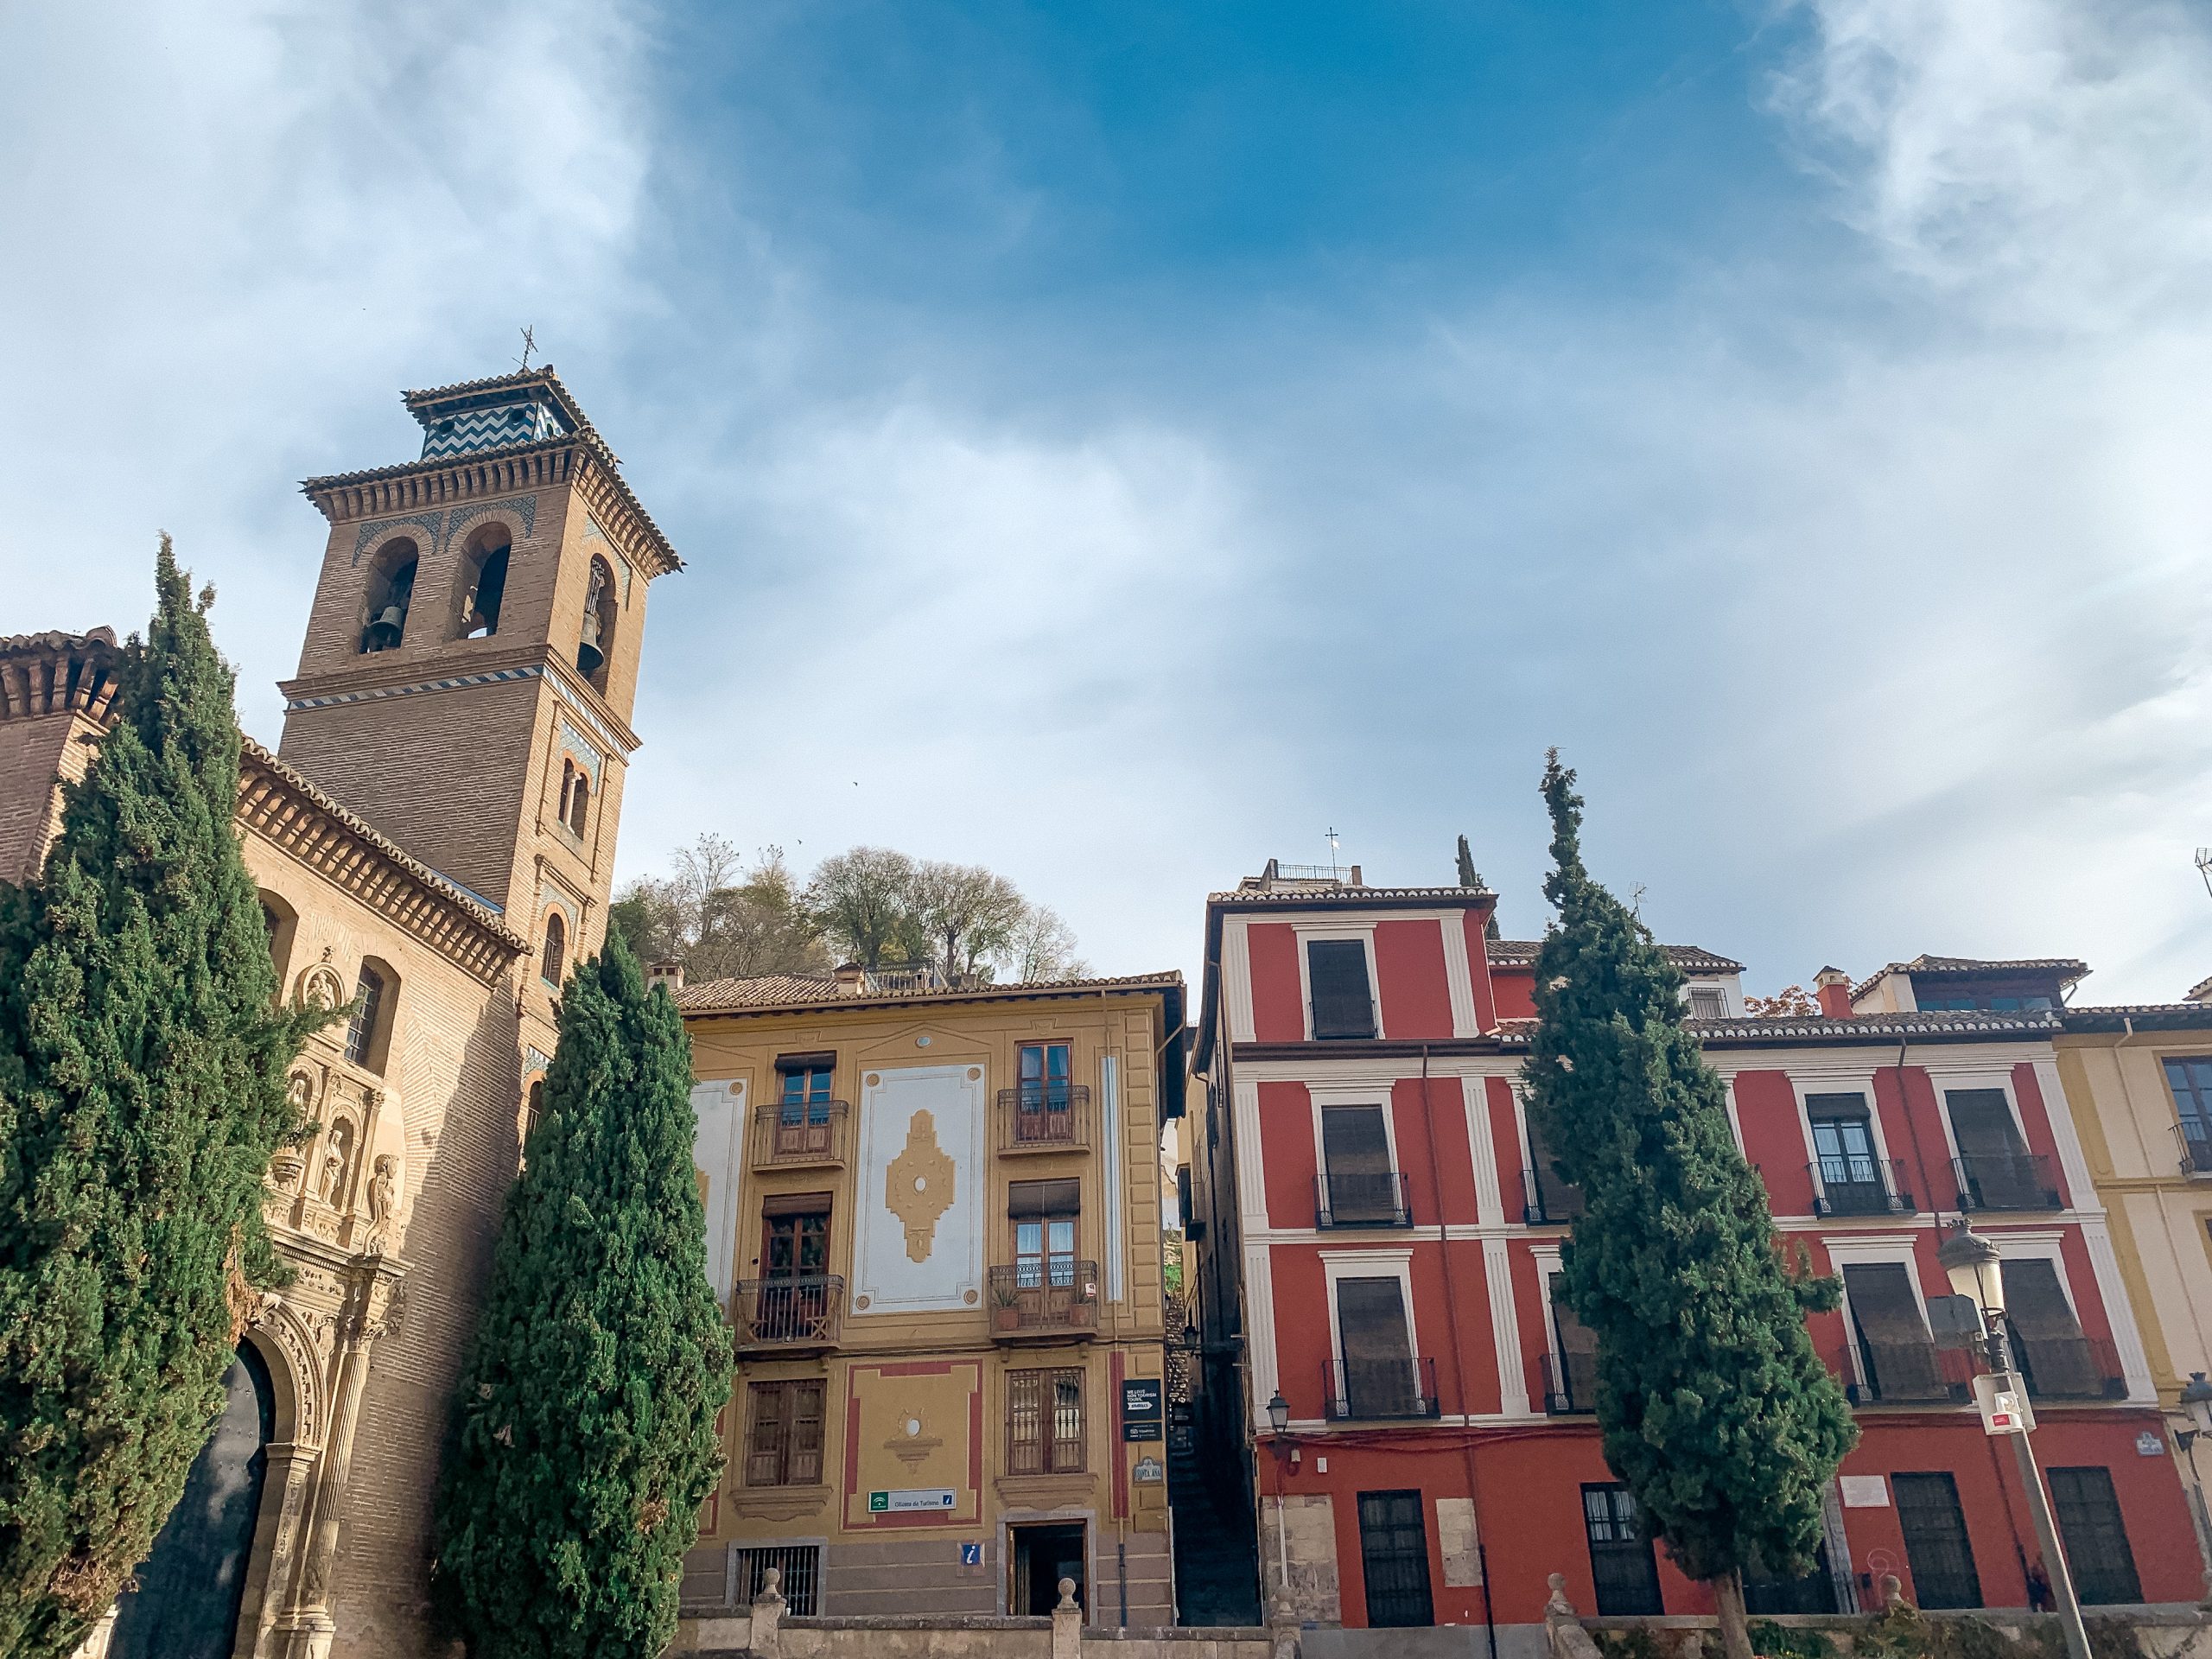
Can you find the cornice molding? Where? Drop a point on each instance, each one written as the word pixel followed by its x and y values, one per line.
pixel 46 674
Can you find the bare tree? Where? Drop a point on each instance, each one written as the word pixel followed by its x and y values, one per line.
pixel 1042 946
pixel 970 914
pixel 720 920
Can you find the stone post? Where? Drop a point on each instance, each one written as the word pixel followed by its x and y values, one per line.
pixel 1282 1627
pixel 1067 1625
pixel 766 1641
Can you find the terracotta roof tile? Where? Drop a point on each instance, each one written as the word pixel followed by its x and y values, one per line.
pixel 799 990
pixel 1690 958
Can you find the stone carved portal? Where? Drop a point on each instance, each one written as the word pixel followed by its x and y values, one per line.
pixel 918 1185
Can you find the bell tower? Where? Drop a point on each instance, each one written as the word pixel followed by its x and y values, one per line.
pixel 471 660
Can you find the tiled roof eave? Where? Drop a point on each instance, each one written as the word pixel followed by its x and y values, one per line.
pixel 697 1001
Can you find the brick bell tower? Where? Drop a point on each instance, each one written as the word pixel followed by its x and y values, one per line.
pixel 472 657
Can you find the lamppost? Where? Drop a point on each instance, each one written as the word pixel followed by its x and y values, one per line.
pixel 1285 1453
pixel 1976 1270
pixel 2196 1400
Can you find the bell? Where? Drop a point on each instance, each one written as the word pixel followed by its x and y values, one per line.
pixel 588 658
pixel 393 617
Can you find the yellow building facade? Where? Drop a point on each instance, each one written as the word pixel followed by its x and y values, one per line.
pixel 934 1216
pixel 2138 1084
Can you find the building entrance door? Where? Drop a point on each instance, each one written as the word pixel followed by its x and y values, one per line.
pixel 1038 1558
pixel 186 1605
pixel 1394 1559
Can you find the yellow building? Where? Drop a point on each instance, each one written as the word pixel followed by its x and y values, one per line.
pixel 2138 1084
pixel 935 1218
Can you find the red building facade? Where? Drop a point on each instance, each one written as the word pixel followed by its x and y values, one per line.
pixel 1374 1233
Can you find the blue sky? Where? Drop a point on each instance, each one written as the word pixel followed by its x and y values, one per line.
pixel 1118 443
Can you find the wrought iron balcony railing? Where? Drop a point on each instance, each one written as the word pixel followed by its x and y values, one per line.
pixel 1570 1384
pixel 1044 1297
pixel 787 1134
pixel 1364 1390
pixel 1045 1117
pixel 1545 1199
pixel 1859 1187
pixel 2196 1138
pixel 2070 1367
pixel 1905 1373
pixel 1360 1200
pixel 795 1314
pixel 2005 1180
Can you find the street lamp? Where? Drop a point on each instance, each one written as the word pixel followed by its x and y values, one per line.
pixel 1278 1412
pixel 1976 1270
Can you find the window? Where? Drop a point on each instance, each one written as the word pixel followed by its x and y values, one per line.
pixel 361 1031
pixel 1044 1422
pixel 533 1109
pixel 1575 1383
pixel 2189 1077
pixel 1546 1197
pixel 556 948
pixel 1622 1566
pixel 282 923
pixel 1996 1171
pixel 800 1566
pixel 579 803
pixel 1379 1377
pixel 1358 1186
pixel 1394 1559
pixel 1896 1355
pixel 1336 972
pixel 598 632
pixel 783 1435
pixel 2058 1362
pixel 1708 1002
pixel 1044 1215
pixel 390 595
pixel 2089 1528
pixel 803 1109
pixel 795 1235
pixel 484 581
pixel 1935 1543
pixel 1044 1102
pixel 1843 1150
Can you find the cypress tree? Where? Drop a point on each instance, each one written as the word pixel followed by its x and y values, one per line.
pixel 1469 877
pixel 143 1061
pixel 583 1441
pixel 1715 1410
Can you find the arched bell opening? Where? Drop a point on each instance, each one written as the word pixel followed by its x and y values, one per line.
pixel 390 595
pixel 191 1588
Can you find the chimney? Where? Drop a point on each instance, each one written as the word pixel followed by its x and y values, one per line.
pixel 669 973
pixel 851 978
pixel 1355 881
pixel 1833 986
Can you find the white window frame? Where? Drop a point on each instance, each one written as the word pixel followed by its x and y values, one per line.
pixel 1861 1084
pixel 1548 1262
pixel 1307 933
pixel 1981 1074
pixel 1369 1263
pixel 1341 1094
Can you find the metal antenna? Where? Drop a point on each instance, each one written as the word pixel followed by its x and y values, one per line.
pixel 529 345
pixel 1331 835
pixel 2204 866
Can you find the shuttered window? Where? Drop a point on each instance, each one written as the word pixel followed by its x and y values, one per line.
pixel 1894 1351
pixel 1379 1377
pixel 2096 1543
pixel 1336 971
pixel 783 1440
pixel 1044 1422
pixel 1578 1352
pixel 1982 1123
pixel 2047 1341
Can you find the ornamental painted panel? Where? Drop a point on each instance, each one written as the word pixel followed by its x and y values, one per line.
pixel 717 1148
pixel 918 1242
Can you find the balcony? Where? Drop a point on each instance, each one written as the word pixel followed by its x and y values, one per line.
pixel 2006 1180
pixel 1859 1187
pixel 790 1136
pixel 1378 1390
pixel 2196 1138
pixel 1366 1200
pixel 1546 1200
pixel 1045 1117
pixel 2070 1368
pixel 1905 1374
pixel 1570 1384
pixel 1044 1298
pixel 803 1314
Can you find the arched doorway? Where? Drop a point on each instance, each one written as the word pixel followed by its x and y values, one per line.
pixel 186 1605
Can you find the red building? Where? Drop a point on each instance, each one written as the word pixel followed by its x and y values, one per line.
pixel 1374 1229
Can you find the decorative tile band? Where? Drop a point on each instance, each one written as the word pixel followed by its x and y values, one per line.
pixel 432 523
pixel 530 671
pixel 572 740
pixel 522 506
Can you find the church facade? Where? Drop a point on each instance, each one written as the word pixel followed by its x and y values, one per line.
pixel 433 840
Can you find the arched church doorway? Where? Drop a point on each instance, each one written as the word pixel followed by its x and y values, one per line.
pixel 189 1589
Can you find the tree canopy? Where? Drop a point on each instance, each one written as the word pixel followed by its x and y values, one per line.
pixel 1715 1407
pixel 143 1062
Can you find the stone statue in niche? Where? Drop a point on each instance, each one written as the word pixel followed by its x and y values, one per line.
pixel 320 989
pixel 338 1153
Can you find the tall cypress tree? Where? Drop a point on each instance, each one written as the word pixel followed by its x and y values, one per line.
pixel 141 1094
pixel 1715 1410
pixel 583 1438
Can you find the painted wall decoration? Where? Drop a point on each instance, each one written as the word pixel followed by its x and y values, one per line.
pixel 717 1149
pixel 913 1444
pixel 499 428
pixel 918 1242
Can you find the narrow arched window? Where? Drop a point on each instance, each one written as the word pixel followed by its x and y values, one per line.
pixel 389 597
pixel 579 803
pixel 557 948
pixel 484 581
pixel 282 922
pixel 365 1032
pixel 567 788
